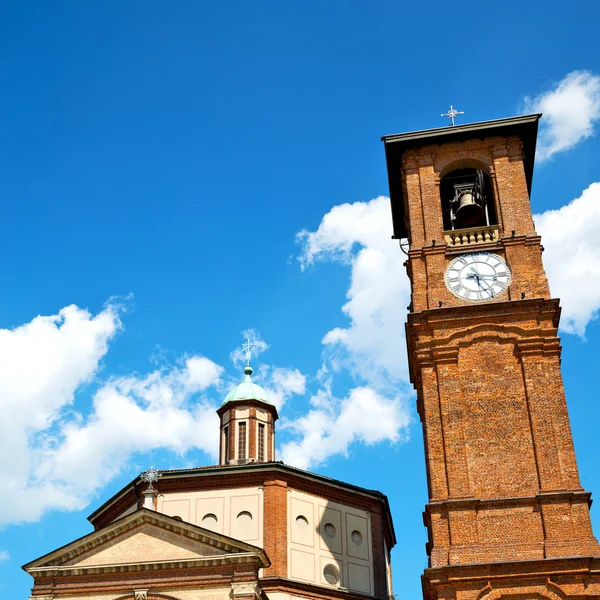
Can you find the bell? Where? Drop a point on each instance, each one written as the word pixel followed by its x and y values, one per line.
pixel 469 211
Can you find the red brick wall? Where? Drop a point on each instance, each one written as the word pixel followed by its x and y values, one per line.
pixel 275 524
pixel 502 475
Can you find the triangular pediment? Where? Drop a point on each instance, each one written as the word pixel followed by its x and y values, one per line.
pixel 146 542
pixel 147 537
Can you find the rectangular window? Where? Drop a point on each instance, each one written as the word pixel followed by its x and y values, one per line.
pixel 261 442
pixel 242 440
pixel 226 445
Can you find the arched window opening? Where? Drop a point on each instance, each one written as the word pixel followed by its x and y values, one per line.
pixel 467 199
pixel 209 520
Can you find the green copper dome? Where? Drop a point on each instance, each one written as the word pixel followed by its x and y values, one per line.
pixel 247 390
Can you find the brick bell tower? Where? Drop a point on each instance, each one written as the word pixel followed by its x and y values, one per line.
pixel 507 516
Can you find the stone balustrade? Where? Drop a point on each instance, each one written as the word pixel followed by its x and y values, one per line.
pixel 472 235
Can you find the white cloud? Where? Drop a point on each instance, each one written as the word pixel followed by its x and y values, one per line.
pixel 281 383
pixel 58 456
pixel 370 348
pixel 133 414
pixel 333 425
pixel 42 363
pixel 372 345
pixel 571 258
pixel 200 373
pixel 4 555
pixel 570 110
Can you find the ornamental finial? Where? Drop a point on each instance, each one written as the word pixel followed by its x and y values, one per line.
pixel 150 476
pixel 452 113
pixel 248 347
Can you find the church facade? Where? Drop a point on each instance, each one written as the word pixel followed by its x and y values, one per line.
pixel 507 516
pixel 248 528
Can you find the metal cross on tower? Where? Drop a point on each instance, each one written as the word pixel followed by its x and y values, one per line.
pixel 248 347
pixel 452 113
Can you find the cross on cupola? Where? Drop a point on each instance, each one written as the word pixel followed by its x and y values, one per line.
pixel 248 347
pixel 247 420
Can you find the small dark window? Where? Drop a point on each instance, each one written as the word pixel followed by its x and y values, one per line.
pixel 242 440
pixel 261 442
pixel 226 444
pixel 331 574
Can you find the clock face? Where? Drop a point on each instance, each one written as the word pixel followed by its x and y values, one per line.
pixel 478 276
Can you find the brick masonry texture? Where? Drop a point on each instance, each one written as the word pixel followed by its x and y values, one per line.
pixel 505 498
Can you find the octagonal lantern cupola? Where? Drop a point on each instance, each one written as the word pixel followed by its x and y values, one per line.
pixel 247 422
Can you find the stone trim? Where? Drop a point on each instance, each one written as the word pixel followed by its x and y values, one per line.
pixel 240 552
pixel 208 561
pixel 470 502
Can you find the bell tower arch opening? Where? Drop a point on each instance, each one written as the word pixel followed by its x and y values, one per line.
pixel 467 199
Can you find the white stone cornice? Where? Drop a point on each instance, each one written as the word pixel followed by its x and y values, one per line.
pixel 177 563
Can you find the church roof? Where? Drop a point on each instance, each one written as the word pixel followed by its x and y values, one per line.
pixel 228 470
pixel 247 390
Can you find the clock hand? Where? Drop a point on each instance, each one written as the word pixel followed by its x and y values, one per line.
pixel 489 288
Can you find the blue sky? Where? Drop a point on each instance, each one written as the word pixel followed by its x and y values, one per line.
pixel 186 172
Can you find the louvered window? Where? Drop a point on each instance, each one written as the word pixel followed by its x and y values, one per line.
pixel 242 440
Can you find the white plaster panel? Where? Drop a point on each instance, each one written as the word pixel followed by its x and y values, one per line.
pixel 281 596
pixel 198 594
pixel 177 508
pixel 304 535
pixel 262 415
pixel 337 550
pixel 225 505
pixel 359 578
pixel 210 506
pixel 242 527
pixel 359 524
pixel 242 413
pixel 328 560
pixel 330 517
pixel 302 565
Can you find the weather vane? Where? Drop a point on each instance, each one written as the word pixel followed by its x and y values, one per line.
pixel 248 347
pixel 452 113
pixel 151 476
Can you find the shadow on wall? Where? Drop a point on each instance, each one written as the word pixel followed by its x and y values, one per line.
pixel 329 543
